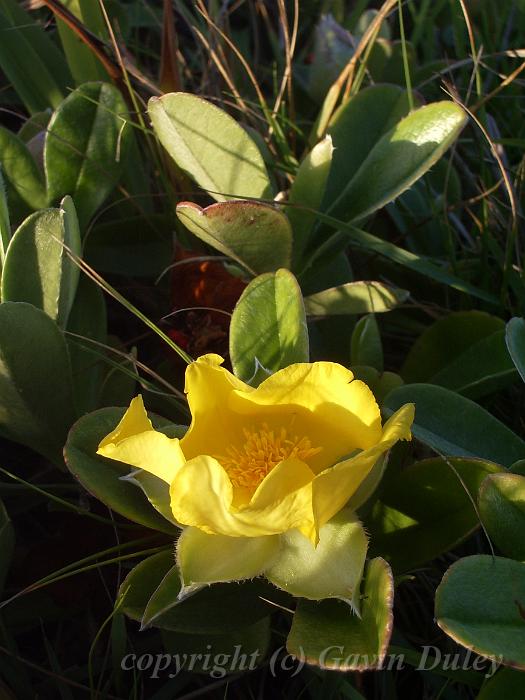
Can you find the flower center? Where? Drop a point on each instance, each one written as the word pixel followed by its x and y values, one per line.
pixel 262 451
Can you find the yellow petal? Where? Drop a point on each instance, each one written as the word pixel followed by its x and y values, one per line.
pixel 135 442
pixel 208 386
pixel 332 488
pixel 134 421
pixel 202 496
pixel 319 401
pixel 284 497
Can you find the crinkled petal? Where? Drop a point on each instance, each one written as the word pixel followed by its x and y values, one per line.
pixel 135 442
pixel 332 488
pixel 320 401
pixel 213 429
pixel 204 558
pixel 202 496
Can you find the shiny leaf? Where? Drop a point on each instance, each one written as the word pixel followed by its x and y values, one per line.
pixel 39 247
pixel 268 327
pixel 210 146
pixel 456 426
pixel 86 145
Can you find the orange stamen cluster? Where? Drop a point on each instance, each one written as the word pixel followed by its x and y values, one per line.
pixel 264 449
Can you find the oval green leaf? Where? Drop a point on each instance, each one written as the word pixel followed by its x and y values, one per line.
pixel 445 341
pixel 50 276
pixel 306 194
pixel 36 400
pixel 426 509
pixel 507 683
pixel 483 368
pixel 24 182
pixel 399 158
pixel 102 477
pixel 86 146
pixel 366 347
pixel 356 127
pixel 87 320
pixel 268 326
pixel 258 236
pixel 209 145
pixel 502 507
pixel 456 426
pixel 355 298
pixel 515 339
pixel 30 59
pixel 480 604
pixel 141 582
pixel 215 609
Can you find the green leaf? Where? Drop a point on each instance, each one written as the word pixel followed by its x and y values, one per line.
pixel 5 224
pixel 456 426
pixel 399 158
pixel 204 558
pixel 507 683
pixel 7 544
pixel 119 385
pixel 156 491
pixel 426 509
pixel 258 236
pixel 328 635
pixel 356 127
pixel 366 346
pixel 307 191
pixel 88 320
pixel 484 368
pixel 139 585
pixel 102 477
pixel 502 507
pixel 332 569
pixel 209 145
pixel 218 654
pixel 39 247
pixel 445 341
pixel 219 608
pixel 30 59
pixel 36 402
pixel 34 126
pixel 164 598
pixel 83 63
pixel 86 146
pixel 223 607
pixel 480 604
pixel 465 352
pixel 515 339
pixel 138 246
pixel 268 326
pixel 355 298
pixel 422 265
pixel 25 186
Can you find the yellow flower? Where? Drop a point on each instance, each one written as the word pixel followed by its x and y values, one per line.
pixel 259 462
